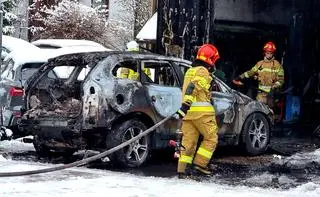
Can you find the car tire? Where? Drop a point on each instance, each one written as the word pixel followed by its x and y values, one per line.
pixel 41 150
pixel 255 134
pixel 137 153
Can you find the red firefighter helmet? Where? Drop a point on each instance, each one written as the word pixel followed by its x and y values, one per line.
pixel 269 47
pixel 208 53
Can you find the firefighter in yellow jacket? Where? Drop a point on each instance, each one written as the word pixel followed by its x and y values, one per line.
pixel 129 73
pixel 269 73
pixel 198 114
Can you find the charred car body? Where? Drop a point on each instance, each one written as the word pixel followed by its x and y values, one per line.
pixel 101 110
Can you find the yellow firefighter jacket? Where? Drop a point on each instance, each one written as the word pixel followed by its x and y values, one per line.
pixel 131 74
pixel 196 93
pixel 270 74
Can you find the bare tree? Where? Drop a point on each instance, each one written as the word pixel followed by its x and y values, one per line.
pixel 140 13
pixel 69 19
pixel 9 17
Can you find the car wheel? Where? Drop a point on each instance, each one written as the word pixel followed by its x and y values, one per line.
pixel 256 134
pixel 135 154
pixel 41 150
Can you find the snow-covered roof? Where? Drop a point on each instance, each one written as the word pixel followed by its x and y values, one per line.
pixel 12 43
pixel 58 43
pixel 149 30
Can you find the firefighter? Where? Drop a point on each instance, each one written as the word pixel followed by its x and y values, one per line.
pixel 269 73
pixel 198 115
pixel 129 73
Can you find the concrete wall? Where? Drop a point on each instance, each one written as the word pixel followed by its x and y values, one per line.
pixel 277 12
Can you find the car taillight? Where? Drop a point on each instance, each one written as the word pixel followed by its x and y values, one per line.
pixel 16 91
pixel 17 114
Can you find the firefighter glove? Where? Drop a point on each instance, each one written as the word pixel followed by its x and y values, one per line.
pixel 182 111
pixel 237 81
pixel 238 78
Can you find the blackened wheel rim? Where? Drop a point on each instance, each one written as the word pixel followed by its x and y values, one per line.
pixel 258 133
pixel 138 150
pixel 135 154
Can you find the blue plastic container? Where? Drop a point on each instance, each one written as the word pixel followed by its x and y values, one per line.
pixel 292 108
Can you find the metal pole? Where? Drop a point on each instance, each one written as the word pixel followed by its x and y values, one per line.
pixel 1 24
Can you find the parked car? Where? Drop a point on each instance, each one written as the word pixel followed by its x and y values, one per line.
pixel 10 43
pixel 17 68
pixel 60 43
pixel 103 110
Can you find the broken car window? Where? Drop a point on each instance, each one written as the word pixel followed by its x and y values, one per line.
pixel 64 72
pixel 27 71
pixel 184 68
pixel 126 69
pixel 161 73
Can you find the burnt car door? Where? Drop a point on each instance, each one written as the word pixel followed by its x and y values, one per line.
pixel 163 93
pixel 223 101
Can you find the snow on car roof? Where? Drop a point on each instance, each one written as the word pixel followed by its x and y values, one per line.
pixel 21 57
pixel 58 43
pixel 43 55
pixel 149 30
pixel 12 43
pixel 76 49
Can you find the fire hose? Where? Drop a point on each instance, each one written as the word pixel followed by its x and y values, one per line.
pixel 89 159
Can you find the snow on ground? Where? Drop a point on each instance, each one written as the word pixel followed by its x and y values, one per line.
pixel 91 182
pixel 16 146
pixel 82 181
pixel 300 159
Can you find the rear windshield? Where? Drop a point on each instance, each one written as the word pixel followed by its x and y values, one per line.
pixel 27 70
pixel 64 72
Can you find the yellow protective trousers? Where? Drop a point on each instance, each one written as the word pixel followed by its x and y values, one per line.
pixel 264 97
pixel 206 126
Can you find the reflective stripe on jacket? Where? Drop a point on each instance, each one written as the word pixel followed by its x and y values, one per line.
pixel 201 107
pixel 196 93
pixel 270 73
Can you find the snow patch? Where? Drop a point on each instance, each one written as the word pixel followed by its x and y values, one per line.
pixel 149 30
pixel 12 43
pixel 2 158
pixel 301 159
pixel 90 182
pixel 15 146
pixel 65 43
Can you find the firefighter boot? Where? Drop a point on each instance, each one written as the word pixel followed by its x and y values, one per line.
pixel 201 171
pixel 188 174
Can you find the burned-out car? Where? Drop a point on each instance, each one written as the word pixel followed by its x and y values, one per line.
pixel 93 108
